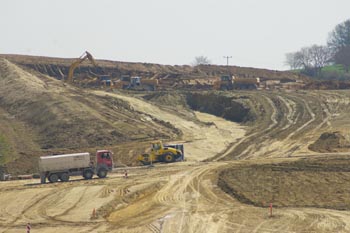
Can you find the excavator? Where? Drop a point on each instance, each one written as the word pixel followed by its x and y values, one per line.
pixel 77 62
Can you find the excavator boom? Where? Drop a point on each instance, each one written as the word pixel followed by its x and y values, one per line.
pixel 77 62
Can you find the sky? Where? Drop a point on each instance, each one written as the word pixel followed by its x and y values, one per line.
pixel 256 33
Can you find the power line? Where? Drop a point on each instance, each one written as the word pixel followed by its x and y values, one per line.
pixel 227 58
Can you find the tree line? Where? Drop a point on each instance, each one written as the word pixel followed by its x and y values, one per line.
pixel 310 60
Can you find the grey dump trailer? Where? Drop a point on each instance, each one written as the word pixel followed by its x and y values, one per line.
pixel 61 167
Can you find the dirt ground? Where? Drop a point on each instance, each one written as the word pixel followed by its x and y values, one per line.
pixel 231 174
pixel 319 182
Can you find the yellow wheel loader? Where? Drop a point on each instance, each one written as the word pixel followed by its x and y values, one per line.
pixel 163 153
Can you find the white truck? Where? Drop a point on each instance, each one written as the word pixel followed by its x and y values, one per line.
pixel 61 167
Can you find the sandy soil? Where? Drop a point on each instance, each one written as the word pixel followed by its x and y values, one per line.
pixel 212 139
pixel 185 196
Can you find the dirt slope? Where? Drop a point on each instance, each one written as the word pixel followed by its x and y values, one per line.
pixel 60 117
pixel 202 140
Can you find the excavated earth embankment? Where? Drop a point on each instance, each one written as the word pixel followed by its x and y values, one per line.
pixel 58 68
pixel 320 182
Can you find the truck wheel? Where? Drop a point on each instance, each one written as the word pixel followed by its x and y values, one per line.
pixel 88 174
pixel 168 158
pixel 102 173
pixel 64 177
pixel 53 178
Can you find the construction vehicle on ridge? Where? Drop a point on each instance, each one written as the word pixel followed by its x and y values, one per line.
pixel 228 82
pixel 136 83
pixel 224 83
pixel 77 62
pixel 162 153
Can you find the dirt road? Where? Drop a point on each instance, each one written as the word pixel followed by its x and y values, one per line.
pixel 182 197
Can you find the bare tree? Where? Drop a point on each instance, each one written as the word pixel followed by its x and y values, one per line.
pixel 292 61
pixel 311 59
pixel 201 60
pixel 320 56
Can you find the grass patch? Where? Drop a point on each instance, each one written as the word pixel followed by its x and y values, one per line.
pixel 334 68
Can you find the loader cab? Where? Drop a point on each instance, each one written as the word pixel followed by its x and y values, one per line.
pixel 226 78
pixel 104 158
pixel 135 81
pixel 156 146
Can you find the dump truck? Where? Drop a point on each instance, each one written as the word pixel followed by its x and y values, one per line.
pixel 167 153
pixel 61 167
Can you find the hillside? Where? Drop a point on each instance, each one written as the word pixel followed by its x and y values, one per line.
pixel 58 68
pixel 58 117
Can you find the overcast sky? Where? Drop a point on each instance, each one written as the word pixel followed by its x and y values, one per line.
pixel 256 33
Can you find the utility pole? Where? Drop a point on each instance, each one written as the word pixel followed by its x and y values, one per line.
pixel 227 58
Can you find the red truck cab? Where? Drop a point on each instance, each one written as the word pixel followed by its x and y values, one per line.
pixel 104 158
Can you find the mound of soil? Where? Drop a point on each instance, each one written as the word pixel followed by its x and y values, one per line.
pixel 330 142
pixel 320 183
pixel 39 114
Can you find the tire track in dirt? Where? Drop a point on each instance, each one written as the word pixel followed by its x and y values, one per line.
pixel 253 136
pixel 265 143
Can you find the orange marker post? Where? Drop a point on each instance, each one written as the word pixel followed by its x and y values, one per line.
pixel 270 209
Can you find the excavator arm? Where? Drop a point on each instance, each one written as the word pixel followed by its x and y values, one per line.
pixel 77 62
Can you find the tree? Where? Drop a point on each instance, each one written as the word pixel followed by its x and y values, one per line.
pixel 342 57
pixel 310 59
pixel 293 61
pixel 340 36
pixel 201 60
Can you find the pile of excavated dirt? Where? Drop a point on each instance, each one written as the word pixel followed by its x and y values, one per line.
pixel 331 142
pixel 319 182
pixel 49 116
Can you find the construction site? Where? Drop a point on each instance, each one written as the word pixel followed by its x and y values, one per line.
pixel 194 148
